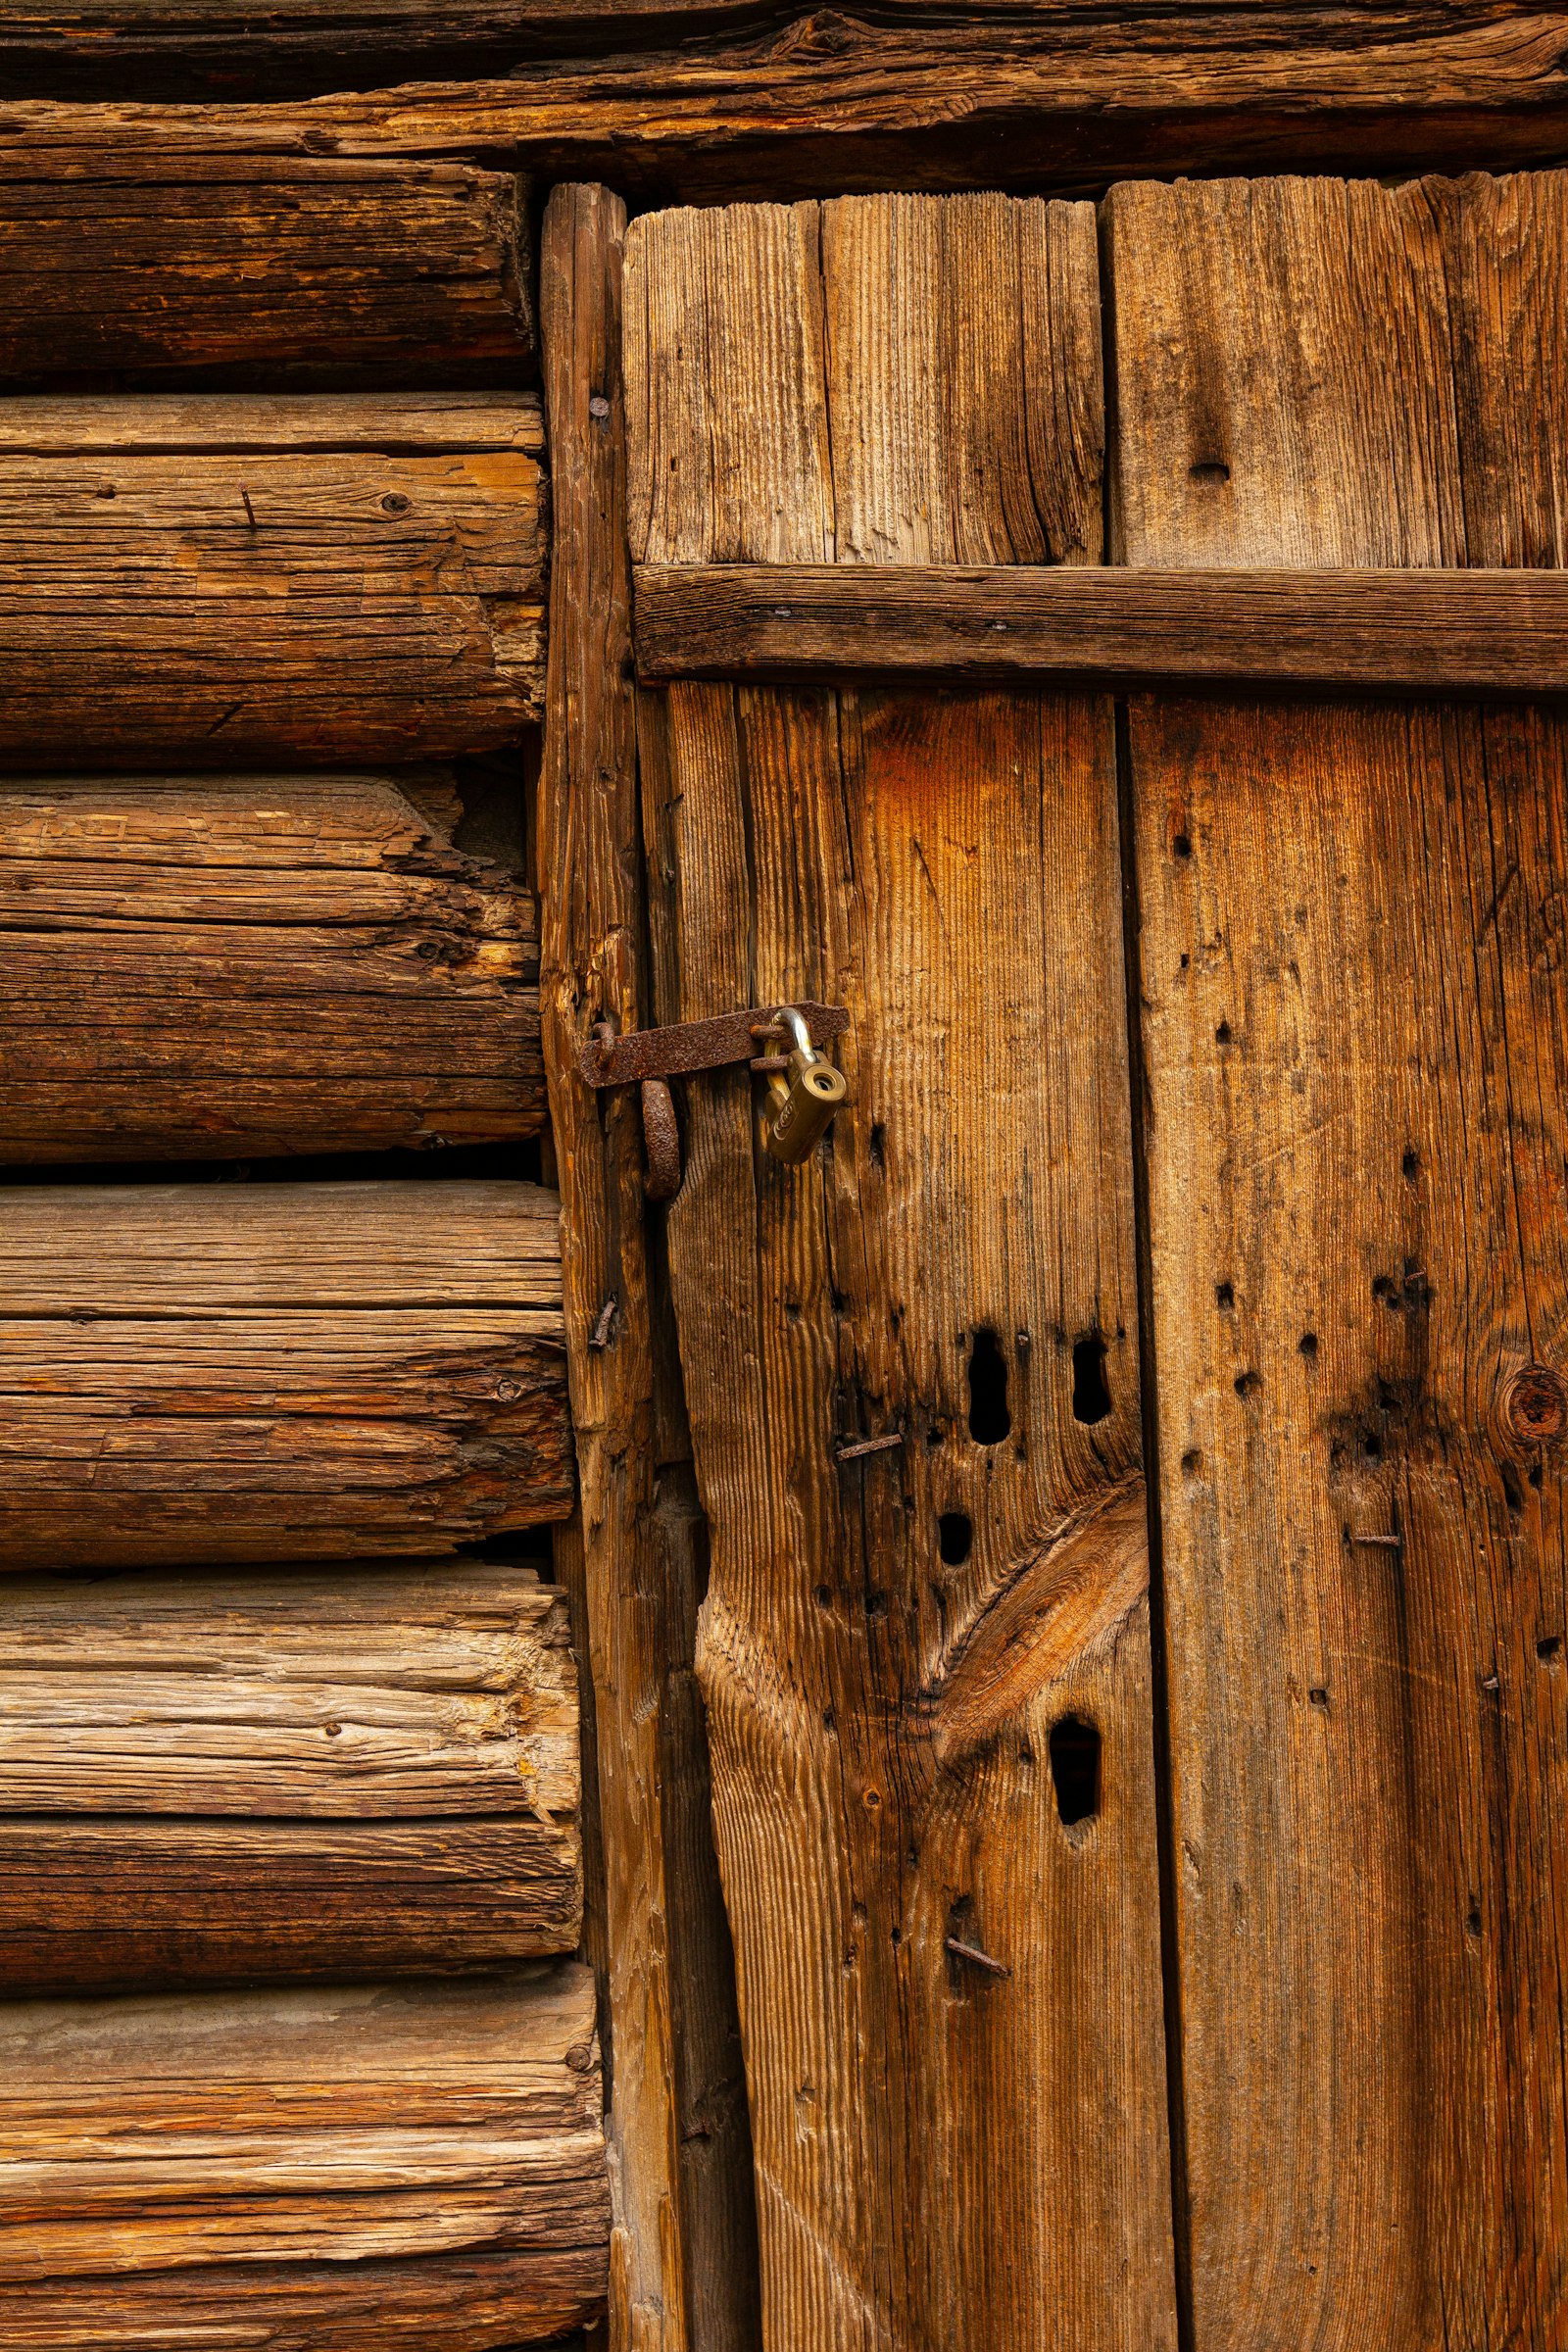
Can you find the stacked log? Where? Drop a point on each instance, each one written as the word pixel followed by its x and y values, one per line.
pixel 326 578
pixel 318 2171
pixel 306 1773
pixel 208 965
pixel 196 1374
pixel 292 269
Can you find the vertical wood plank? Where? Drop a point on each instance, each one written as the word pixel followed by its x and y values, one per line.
pixel 947 2149
pixel 1355 1030
pixel 683 2252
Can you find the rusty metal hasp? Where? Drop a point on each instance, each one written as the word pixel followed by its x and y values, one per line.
pixel 685 1047
pixel 805 1090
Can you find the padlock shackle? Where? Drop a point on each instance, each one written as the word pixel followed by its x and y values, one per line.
pixel 794 1023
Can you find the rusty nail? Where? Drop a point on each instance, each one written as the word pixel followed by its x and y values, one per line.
pixel 249 508
pixel 852 1452
pixel 599 1337
pixel 1388 1542
pixel 980 1959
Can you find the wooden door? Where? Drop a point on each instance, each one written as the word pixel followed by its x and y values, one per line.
pixel 913 1365
pixel 1096 1996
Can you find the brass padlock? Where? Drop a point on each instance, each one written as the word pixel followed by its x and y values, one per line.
pixel 801 1103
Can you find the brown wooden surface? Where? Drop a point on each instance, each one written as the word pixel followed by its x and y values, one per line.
pixel 720 98
pixel 318 1772
pixel 197 1373
pixel 364 605
pixel 1492 632
pixel 943 2151
pixel 485 2302
pixel 217 966
pixel 1355 1030
pixel 402 424
pixel 684 2265
pixel 164 2160
pixel 302 269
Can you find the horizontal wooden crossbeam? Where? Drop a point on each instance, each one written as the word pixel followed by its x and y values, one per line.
pixel 1424 632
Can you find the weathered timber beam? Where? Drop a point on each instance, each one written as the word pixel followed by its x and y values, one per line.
pixel 223 964
pixel 301 270
pixel 201 1373
pixel 1419 632
pixel 830 102
pixel 332 600
pixel 310 1773
pixel 685 2277
pixel 419 2166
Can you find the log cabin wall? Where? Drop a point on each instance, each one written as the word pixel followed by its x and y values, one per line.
pixel 300 2044
pixel 312 407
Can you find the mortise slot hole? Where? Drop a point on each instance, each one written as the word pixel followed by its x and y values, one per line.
pixel 1549 1648
pixel 1090 1397
pixel 989 1421
pixel 1075 1770
pixel 954 1537
pixel 1209 469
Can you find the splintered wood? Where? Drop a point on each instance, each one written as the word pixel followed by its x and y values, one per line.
pixel 197 1373
pixel 1356 1038
pixel 948 1956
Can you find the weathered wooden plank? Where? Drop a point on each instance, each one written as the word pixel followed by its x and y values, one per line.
pixel 685 2266
pixel 939 1960
pixel 197 1373
pixel 336 606
pixel 217 966
pixel 1354 1034
pixel 1450 632
pixel 309 269
pixel 311 1773
pixel 404 423
pixel 740 99
pixel 169 2162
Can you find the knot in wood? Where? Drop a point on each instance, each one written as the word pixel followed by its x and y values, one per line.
pixel 1533 1407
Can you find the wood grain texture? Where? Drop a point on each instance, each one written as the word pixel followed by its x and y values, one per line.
pixel 1354 1034
pixel 167 2161
pixel 310 1693
pixel 310 270
pixel 685 2257
pixel 314 1773
pixel 722 98
pixel 217 966
pixel 197 1373
pixel 364 605
pixel 405 423
pixel 1455 632
pixel 943 2151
